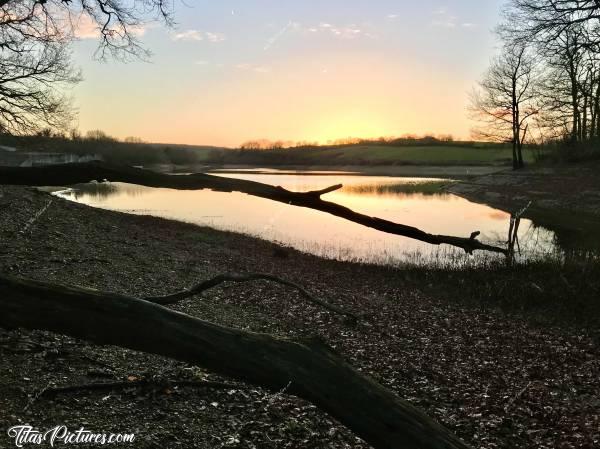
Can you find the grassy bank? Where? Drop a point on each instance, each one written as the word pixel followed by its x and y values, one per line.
pixel 467 153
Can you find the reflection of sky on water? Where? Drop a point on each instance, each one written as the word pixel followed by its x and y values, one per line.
pixel 320 233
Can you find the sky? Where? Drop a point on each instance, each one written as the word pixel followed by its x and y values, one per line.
pixel 293 70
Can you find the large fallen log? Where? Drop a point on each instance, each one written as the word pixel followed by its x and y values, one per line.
pixel 312 370
pixel 68 174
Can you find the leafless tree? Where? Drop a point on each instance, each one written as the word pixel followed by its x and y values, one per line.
pixel 566 38
pixel 35 63
pixel 505 100
pixel 118 22
pixel 545 20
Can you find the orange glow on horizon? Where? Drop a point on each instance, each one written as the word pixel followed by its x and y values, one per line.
pixel 358 96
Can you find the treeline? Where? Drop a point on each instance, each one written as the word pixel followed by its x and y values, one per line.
pixel 361 152
pixel 129 151
pixel 406 140
pixel 133 151
pixel 544 87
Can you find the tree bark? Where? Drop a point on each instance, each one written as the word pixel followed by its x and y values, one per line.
pixel 312 370
pixel 68 174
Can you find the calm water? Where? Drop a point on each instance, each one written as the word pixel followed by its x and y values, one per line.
pixel 320 233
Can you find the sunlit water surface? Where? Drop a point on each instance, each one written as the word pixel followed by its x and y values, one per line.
pixel 322 234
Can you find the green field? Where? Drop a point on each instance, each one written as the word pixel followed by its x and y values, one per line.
pixel 440 154
pixel 364 154
pixel 416 154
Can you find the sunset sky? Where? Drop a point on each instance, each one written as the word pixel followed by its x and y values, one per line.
pixel 315 70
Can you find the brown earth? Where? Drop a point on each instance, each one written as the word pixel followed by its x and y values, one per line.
pixel 573 188
pixel 497 380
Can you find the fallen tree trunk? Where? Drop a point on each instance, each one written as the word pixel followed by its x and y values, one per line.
pixel 68 174
pixel 312 370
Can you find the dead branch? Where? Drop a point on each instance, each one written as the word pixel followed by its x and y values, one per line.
pixel 513 233
pixel 318 193
pixel 245 277
pixel 69 174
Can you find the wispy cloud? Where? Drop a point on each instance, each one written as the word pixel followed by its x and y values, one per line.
pixel 346 32
pixel 214 37
pixel 272 40
pixel 351 31
pixel 197 35
pixel 442 18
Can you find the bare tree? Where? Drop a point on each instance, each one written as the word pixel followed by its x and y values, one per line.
pixel 117 22
pixel 505 100
pixel 545 20
pixel 564 60
pixel 566 38
pixel 35 63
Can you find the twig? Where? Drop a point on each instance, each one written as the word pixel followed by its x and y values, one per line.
pixel 245 277
pixel 275 396
pixel 516 397
pixel 318 193
pixel 513 232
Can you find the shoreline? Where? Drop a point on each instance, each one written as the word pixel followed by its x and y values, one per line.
pixel 574 188
pixel 417 171
pixel 415 342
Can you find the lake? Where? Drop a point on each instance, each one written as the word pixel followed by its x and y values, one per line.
pixel 412 201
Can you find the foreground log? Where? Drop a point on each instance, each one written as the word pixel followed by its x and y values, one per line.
pixel 312 370
pixel 68 174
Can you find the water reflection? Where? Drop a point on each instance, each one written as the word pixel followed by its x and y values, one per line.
pixel 415 202
pixel 426 188
pixel 102 191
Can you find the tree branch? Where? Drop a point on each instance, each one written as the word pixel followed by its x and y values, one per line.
pixel 68 174
pixel 245 277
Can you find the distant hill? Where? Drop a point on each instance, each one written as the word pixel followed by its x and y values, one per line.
pixel 409 152
pixel 113 150
pixel 443 153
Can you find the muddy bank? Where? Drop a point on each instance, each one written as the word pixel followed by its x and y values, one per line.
pixel 496 380
pixel 572 188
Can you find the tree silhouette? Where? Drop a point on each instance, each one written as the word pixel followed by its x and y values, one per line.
pixel 35 64
pixel 505 100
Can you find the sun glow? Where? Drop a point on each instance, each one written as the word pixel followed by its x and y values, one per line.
pixel 306 88
pixel 346 127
